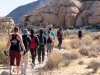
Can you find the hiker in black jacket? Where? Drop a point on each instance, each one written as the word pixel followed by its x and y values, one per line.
pixel 42 43
pixel 33 46
pixel 24 59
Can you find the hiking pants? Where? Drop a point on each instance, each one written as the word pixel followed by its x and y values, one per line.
pixel 49 47
pixel 60 42
pixel 24 63
pixel 33 54
pixel 41 51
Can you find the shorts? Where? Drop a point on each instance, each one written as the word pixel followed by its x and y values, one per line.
pixel 14 54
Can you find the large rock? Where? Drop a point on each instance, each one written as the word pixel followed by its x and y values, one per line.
pixel 94 19
pixel 66 13
pixel 82 19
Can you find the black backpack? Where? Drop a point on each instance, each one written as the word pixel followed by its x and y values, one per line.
pixel 25 42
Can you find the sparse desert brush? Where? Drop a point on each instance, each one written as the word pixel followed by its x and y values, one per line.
pixel 81 62
pixel 66 44
pixel 68 57
pixel 53 61
pixel 95 65
pixel 3 59
pixel 88 51
pixel 96 36
pixel 87 40
pixel 75 44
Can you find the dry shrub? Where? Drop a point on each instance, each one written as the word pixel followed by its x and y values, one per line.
pixel 95 65
pixel 81 62
pixel 75 44
pixel 68 57
pixel 66 44
pixel 88 51
pixel 3 59
pixel 96 36
pixel 53 60
pixel 87 40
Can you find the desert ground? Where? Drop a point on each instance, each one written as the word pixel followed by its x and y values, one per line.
pixel 77 57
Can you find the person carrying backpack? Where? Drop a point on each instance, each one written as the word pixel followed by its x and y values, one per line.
pixel 80 34
pixel 33 46
pixel 24 60
pixel 15 43
pixel 53 36
pixel 42 43
pixel 49 42
pixel 60 36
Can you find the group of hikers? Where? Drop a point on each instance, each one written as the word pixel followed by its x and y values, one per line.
pixel 19 45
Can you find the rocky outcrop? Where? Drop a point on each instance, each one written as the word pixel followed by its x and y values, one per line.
pixel 7 19
pixel 66 13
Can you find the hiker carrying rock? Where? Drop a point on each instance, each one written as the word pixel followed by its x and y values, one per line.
pixel 42 43
pixel 24 59
pixel 15 52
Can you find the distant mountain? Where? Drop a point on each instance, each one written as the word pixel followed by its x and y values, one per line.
pixel 17 13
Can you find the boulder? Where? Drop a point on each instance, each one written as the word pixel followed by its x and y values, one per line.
pixel 73 9
pixel 70 19
pixel 94 20
pixel 82 19
pixel 77 4
pixel 23 19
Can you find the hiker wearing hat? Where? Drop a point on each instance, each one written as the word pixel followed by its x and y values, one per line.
pixel 42 43
pixel 14 42
pixel 80 33
pixel 49 43
pixel 53 35
pixel 33 46
pixel 24 59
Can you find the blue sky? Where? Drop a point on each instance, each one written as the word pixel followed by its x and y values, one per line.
pixel 6 6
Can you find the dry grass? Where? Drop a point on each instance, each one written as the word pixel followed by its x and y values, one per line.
pixel 88 51
pixel 57 60
pixel 95 65
pixel 53 61
pixel 3 59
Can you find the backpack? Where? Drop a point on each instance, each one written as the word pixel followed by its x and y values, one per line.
pixel 41 40
pixel 32 43
pixel 60 34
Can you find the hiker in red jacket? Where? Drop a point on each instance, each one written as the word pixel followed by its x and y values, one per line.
pixel 33 46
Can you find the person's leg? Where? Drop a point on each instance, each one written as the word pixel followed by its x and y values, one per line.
pixel 50 47
pixel 31 51
pixel 58 42
pixel 43 53
pixel 18 59
pixel 25 62
pixel 22 64
pixel 12 58
pixel 39 54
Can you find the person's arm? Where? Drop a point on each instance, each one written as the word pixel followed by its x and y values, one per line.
pixel 21 42
pixel 28 39
pixel 45 40
pixel 37 40
pixel 8 43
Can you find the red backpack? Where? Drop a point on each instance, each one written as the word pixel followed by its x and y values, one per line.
pixel 32 43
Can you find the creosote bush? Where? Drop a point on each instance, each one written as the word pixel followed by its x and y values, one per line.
pixel 95 65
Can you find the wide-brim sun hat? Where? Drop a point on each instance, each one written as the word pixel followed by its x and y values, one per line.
pixel 25 32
